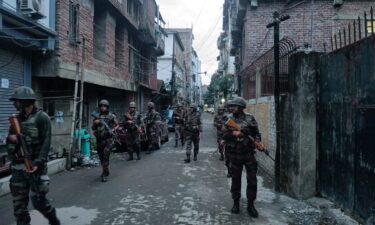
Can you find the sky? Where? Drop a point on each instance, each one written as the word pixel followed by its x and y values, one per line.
pixel 205 16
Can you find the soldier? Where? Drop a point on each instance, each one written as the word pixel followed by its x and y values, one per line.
pixel 103 127
pixel 178 121
pixel 152 121
pixel 241 152
pixel 132 123
pixel 193 128
pixel 36 128
pixel 219 121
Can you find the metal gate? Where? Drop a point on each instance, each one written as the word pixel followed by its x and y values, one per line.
pixel 347 127
pixel 12 73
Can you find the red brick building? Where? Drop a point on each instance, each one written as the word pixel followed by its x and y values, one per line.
pixel 311 24
pixel 121 41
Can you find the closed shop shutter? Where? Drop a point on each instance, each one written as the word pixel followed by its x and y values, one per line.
pixel 12 71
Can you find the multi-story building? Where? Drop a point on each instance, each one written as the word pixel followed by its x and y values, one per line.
pixel 113 45
pixel 196 83
pixel 187 37
pixel 171 67
pixel 27 33
pixel 311 25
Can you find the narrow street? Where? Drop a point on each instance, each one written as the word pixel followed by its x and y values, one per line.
pixel 161 189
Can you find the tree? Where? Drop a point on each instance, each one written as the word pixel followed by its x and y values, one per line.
pixel 219 84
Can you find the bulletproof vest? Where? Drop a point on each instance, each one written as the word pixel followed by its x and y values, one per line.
pixel 241 144
pixel 102 131
pixel 30 131
pixel 135 118
pixel 180 114
pixel 192 121
pixel 151 117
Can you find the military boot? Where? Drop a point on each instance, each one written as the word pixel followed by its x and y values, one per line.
pixel 252 210
pixel 229 174
pixel 187 160
pixel 105 174
pixel 130 156
pixel 52 218
pixel 138 156
pixel 195 156
pixel 236 207
pixel 176 144
pixel 221 157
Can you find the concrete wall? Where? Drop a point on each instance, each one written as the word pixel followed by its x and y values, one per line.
pixel 298 127
pixel 264 111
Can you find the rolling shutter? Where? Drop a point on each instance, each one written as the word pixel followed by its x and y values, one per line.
pixel 12 71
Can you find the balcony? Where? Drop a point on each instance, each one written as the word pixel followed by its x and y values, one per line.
pixel 160 45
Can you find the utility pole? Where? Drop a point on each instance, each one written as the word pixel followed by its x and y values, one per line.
pixel 173 85
pixel 81 92
pixel 276 25
pixel 72 138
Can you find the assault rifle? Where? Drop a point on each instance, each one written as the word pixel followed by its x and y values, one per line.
pixel 23 150
pixel 258 145
pixel 95 115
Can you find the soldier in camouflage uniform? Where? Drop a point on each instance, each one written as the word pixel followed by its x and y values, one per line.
pixel 132 124
pixel 178 121
pixel 104 138
pixel 152 121
pixel 219 121
pixel 36 128
pixel 241 152
pixel 193 128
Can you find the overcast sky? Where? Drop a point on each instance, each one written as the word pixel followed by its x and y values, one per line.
pixel 205 16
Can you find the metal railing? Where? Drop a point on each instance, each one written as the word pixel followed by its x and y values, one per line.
pixel 355 31
pixel 264 67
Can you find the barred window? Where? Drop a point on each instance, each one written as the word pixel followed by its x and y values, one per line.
pixel 370 26
pixel 73 23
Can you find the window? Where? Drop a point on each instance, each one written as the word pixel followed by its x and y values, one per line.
pixel 119 45
pixel 129 6
pixel 73 23
pixel 370 26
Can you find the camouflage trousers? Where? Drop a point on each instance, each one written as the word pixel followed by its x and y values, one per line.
pixel 224 154
pixel 179 133
pixel 238 161
pixel 133 142
pixel 104 148
pixel 192 138
pixel 20 185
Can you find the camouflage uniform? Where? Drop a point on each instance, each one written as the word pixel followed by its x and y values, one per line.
pixel 152 122
pixel 104 140
pixel 219 121
pixel 193 127
pixel 132 133
pixel 241 153
pixel 178 120
pixel 36 129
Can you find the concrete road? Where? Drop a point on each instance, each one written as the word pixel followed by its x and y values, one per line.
pixel 161 189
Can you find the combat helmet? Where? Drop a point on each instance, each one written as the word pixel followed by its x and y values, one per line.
pixel 23 93
pixel 238 101
pixel 150 105
pixel 194 106
pixel 104 102
pixel 132 105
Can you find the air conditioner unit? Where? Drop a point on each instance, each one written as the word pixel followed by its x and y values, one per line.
pixel 32 8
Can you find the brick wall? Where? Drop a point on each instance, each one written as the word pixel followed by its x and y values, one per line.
pixel 264 111
pixel 72 54
pixel 327 20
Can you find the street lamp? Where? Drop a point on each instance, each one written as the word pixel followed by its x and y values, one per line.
pixel 222 100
